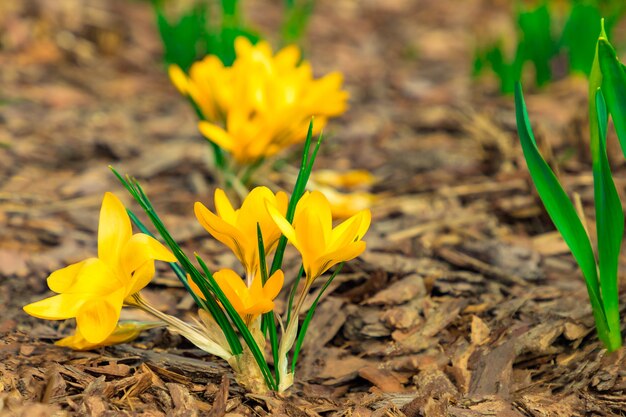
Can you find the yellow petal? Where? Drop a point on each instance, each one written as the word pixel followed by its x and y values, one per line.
pixel 62 279
pixel 285 227
pixel 366 220
pixel 273 285
pixel 350 230
pixel 94 277
pixel 141 248
pixel 97 318
pixel 217 135
pixel 123 333
pixel 178 78
pixel 58 307
pixel 194 288
pixel 287 57
pixel 327 261
pixel 313 225
pixel 233 288
pixel 223 207
pixel 114 229
pixel 350 179
pixel 222 231
pixel 243 46
pixel 141 277
pixel 260 307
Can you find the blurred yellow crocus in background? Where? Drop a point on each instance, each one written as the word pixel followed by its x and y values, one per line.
pixel 94 290
pixel 237 229
pixel 263 103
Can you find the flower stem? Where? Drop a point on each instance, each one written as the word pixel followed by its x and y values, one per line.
pixel 191 333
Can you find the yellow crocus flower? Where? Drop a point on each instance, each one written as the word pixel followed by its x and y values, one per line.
pixel 237 229
pixel 320 245
pixel 250 301
pixel 123 333
pixel 263 102
pixel 351 179
pixel 93 291
pixel 344 205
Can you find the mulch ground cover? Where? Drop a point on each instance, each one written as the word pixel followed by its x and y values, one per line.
pixel 467 303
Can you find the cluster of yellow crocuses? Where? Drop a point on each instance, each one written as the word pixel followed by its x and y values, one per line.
pixel 94 290
pixel 263 103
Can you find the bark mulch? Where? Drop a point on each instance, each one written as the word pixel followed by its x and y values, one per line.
pixel 467 303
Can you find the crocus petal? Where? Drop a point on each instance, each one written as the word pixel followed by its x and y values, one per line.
pixel 141 248
pixel 58 307
pixel 194 288
pixel 287 57
pixel 273 285
pixel 311 235
pixel 62 279
pixel 350 230
pixel 223 207
pixel 93 278
pixel 114 229
pixel 233 288
pixel 222 231
pixel 285 227
pixel 260 307
pixel 141 277
pixel 178 78
pixel 123 333
pixel 217 135
pixel 98 317
pixel 324 263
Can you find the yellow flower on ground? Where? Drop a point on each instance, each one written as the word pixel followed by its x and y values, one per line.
pixel 320 245
pixel 344 205
pixel 93 291
pixel 237 229
pixel 351 179
pixel 263 103
pixel 123 333
pixel 251 301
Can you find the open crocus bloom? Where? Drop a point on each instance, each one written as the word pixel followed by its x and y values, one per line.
pixel 124 332
pixel 320 245
pixel 93 291
pixel 251 301
pixel 237 229
pixel 263 102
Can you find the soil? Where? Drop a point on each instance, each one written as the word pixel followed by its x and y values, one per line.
pixel 467 303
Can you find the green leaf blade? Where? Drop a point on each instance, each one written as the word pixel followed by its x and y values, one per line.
pixel 560 209
pixel 609 222
pixel 613 88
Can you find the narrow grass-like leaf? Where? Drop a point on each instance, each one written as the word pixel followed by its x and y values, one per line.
pixel 613 88
pixel 561 211
pixel 184 40
pixel 579 36
pixel 609 218
pixel 135 190
pixel 609 225
pixel 539 47
pixel 305 324
pixel 306 165
pixel 296 17
pixel 241 326
pixel 178 270
pixel 268 324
